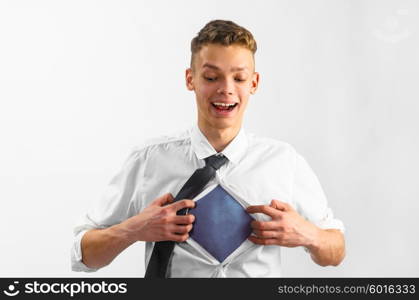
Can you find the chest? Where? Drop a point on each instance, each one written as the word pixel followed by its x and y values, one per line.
pixel 254 180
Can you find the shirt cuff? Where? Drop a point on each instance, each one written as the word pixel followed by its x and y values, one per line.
pixel 329 222
pixel 76 255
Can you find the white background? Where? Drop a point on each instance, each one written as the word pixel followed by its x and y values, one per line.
pixel 82 82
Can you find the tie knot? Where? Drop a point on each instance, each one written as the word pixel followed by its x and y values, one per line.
pixel 216 160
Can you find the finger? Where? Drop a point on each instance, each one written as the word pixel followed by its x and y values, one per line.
pixel 265 225
pixel 265 209
pixel 265 234
pixel 280 205
pixel 182 229
pixel 185 203
pixel 261 241
pixel 184 220
pixel 179 237
pixel 162 200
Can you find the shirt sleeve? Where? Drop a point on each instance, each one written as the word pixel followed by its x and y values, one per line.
pixel 117 203
pixel 309 198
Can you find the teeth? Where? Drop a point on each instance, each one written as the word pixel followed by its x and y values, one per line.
pixel 223 104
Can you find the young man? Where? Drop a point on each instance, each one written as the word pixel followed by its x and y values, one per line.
pixel 269 179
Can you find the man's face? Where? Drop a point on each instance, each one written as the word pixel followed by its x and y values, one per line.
pixel 222 78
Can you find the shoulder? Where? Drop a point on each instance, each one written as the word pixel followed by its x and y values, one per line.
pixel 161 143
pixel 269 144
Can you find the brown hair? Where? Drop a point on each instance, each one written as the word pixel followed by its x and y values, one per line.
pixel 225 33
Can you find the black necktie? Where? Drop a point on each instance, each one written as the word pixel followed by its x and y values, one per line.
pixel 162 251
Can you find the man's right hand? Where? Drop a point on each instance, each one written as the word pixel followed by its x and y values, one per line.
pixel 159 222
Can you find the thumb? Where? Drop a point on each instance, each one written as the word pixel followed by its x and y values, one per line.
pixel 279 205
pixel 162 200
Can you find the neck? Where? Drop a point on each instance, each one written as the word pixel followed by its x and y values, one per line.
pixel 219 138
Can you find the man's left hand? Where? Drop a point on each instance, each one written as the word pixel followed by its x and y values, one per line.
pixel 287 227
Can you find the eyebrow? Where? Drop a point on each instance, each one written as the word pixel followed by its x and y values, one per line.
pixel 234 69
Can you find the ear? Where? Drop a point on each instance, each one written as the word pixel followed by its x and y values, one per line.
pixel 189 79
pixel 255 83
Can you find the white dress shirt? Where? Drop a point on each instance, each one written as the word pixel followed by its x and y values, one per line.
pixel 258 170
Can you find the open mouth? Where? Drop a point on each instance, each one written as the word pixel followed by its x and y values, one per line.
pixel 224 107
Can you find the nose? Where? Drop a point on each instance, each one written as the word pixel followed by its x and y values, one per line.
pixel 226 87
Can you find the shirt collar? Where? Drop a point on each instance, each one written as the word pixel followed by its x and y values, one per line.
pixel 234 151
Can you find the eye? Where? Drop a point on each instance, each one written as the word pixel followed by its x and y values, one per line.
pixel 210 78
pixel 239 79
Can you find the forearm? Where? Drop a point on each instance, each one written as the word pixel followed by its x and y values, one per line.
pixel 328 248
pixel 100 246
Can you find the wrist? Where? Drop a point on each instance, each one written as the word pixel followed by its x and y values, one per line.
pixel 122 231
pixel 314 242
